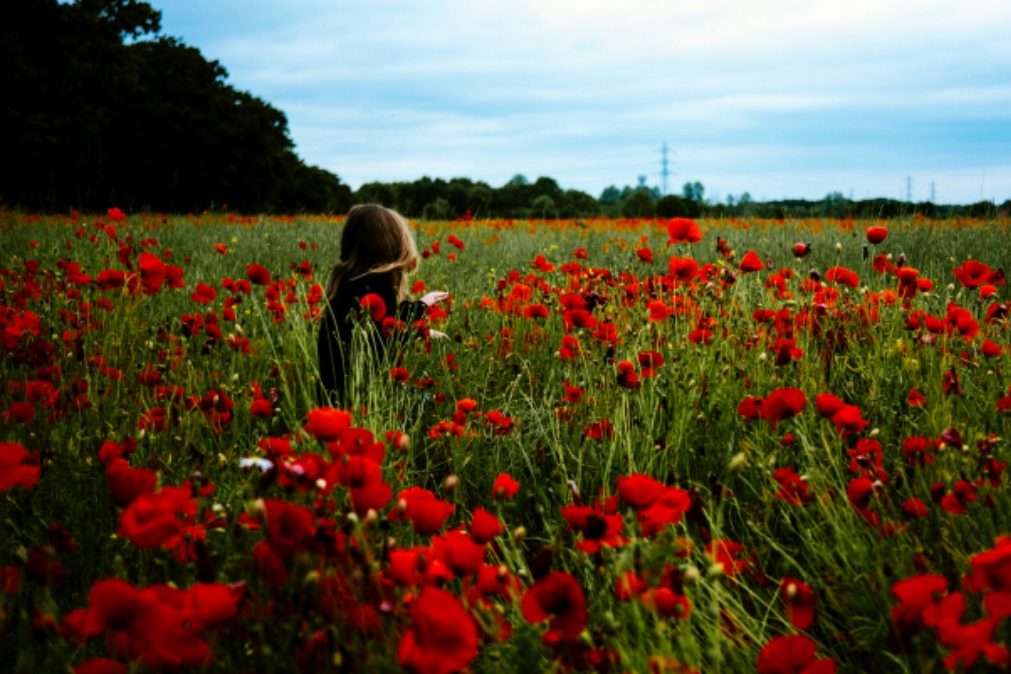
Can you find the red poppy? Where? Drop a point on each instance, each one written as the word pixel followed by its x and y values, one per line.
pixel 726 554
pixel 876 234
pixel 258 274
pixel 204 294
pixel 751 262
pixel 782 403
pixel 792 488
pixel 645 255
pixel 794 654
pixel 668 603
pixel 842 276
pixel 914 508
pixel 504 487
pixel 326 423
pixel 683 230
pixel 287 525
pixel 484 526
pixel 973 274
pixel 442 638
pixel 126 484
pixel 424 510
pixel 801 249
pixel 460 552
pixel 640 491
pixel 14 469
pixel 558 598
pixel 154 520
pixel 800 602
pixel 599 528
pixel 374 305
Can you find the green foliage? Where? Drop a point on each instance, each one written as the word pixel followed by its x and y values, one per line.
pixel 148 123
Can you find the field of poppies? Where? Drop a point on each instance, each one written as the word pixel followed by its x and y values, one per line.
pixel 661 446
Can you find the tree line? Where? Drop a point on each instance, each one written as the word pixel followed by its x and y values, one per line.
pixel 102 110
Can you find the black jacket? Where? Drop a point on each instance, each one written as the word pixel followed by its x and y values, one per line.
pixel 334 343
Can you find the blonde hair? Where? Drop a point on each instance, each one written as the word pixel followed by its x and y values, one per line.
pixel 375 240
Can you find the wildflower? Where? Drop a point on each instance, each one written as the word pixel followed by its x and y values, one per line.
pixel 558 598
pixel 442 638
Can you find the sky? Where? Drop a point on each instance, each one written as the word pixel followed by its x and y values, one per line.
pixel 777 98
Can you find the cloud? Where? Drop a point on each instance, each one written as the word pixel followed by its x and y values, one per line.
pixel 807 93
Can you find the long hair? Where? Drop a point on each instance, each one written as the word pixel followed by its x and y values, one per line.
pixel 375 240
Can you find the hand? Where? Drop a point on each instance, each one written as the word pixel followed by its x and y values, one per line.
pixel 434 297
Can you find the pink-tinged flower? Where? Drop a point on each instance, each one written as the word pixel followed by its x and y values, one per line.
pixel 559 599
pixel 442 638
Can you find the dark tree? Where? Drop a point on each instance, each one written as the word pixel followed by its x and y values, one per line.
pixel 104 112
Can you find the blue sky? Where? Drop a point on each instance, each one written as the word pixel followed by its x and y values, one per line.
pixel 779 98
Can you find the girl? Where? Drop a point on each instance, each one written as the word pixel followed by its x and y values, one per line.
pixel 378 254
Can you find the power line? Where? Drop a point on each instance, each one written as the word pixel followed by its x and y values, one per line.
pixel 664 169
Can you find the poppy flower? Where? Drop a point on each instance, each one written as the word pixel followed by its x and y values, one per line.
pixel 484 526
pixel 640 491
pixel 326 423
pixel 801 249
pixel 645 255
pixel 14 471
pixel 154 519
pixel 424 510
pixel 460 552
pixel 751 262
pixel 667 510
pixel 782 403
pixel 726 555
pixel 842 276
pixel 204 294
pixel 792 488
pixel 258 274
pixel 973 274
pixel 794 654
pixel 126 484
pixel 504 487
pixel 442 638
pixel 800 602
pixel 374 305
pixel 599 528
pixel 559 599
pixel 876 234
pixel 667 603
pixel 683 230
